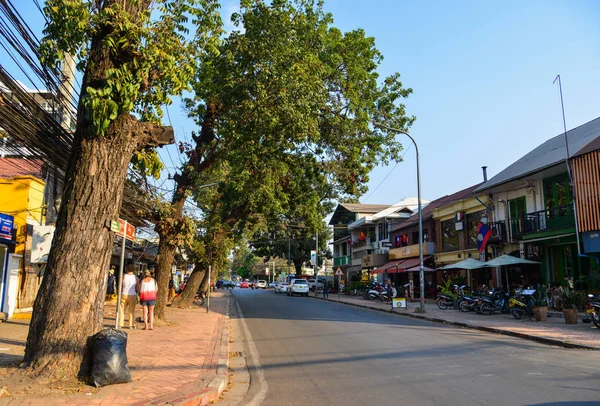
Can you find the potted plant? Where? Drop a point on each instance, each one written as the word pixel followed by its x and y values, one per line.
pixel 540 305
pixel 447 288
pixel 568 301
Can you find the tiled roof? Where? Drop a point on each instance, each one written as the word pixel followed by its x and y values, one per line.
pixel 435 204
pixel 11 167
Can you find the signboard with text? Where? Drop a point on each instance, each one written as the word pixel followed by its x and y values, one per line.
pixel 6 226
pixel 118 226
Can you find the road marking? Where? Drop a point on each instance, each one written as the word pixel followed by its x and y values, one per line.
pixel 264 386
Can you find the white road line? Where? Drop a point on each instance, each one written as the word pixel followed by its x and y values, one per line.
pixel 262 393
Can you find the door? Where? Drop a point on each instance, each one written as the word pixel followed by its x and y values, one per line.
pixel 518 210
pixel 558 202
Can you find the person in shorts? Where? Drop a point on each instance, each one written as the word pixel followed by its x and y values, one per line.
pixel 148 289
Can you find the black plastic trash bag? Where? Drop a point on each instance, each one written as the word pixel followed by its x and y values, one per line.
pixel 109 353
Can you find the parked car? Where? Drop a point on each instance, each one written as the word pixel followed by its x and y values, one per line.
pixel 228 284
pixel 281 287
pixel 261 284
pixel 299 286
pixel 238 284
pixel 245 285
pixel 272 285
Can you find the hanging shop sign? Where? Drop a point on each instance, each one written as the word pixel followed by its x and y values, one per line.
pixel 6 226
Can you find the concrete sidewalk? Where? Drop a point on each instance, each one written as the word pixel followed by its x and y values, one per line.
pixel 554 331
pixel 184 362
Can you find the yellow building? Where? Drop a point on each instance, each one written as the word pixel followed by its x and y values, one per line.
pixel 22 197
pixel 457 225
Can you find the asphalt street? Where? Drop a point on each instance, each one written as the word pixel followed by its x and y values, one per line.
pixel 303 351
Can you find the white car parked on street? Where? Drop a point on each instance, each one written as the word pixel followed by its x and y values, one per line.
pixel 281 287
pixel 261 284
pixel 299 286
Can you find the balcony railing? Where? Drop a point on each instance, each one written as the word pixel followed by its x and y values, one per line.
pixel 557 218
pixel 498 231
pixel 344 260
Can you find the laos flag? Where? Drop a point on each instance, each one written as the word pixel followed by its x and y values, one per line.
pixel 483 235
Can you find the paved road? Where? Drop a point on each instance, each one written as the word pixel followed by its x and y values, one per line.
pixel 317 353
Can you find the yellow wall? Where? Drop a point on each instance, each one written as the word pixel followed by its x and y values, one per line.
pixel 22 197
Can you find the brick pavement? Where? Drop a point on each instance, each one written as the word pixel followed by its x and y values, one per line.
pixel 174 363
pixel 552 331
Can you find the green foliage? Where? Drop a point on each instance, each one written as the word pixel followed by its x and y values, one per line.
pixel 294 100
pixel 572 299
pixel 148 163
pixel 140 61
pixel 173 231
pixel 447 288
pixel 540 297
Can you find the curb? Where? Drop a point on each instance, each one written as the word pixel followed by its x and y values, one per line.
pixel 542 340
pixel 212 392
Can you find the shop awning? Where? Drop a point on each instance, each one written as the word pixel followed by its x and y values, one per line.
pixel 390 267
pixel 411 263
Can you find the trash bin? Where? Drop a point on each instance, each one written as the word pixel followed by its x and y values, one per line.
pixel 109 354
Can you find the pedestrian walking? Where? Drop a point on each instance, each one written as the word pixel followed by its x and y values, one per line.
pixel 325 290
pixel 128 297
pixel 148 289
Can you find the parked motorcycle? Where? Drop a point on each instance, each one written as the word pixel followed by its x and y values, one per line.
pixel 444 301
pixel 372 292
pixel 594 311
pixel 468 303
pixel 497 303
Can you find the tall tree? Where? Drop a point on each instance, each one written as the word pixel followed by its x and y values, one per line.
pixel 290 90
pixel 131 63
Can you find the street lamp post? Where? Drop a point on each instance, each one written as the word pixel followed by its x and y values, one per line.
pixel 421 268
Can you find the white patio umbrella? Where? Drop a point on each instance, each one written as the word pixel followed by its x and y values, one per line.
pixel 468 264
pixel 506 260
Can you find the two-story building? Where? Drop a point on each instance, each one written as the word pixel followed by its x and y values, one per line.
pixel 456 222
pixel 405 252
pixel 22 198
pixel 344 242
pixel 534 209
pixel 586 179
pixel 372 234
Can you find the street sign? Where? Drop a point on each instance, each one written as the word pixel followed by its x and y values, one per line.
pixel 117 227
pixel 313 257
pixel 387 244
pixel 399 303
pixel 338 272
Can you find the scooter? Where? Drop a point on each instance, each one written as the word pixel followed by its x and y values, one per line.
pixel 444 301
pixel 594 310
pixel 467 304
pixel 498 303
pixel 372 293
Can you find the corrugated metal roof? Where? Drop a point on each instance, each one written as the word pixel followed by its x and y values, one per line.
pixel 427 211
pixel 546 155
pixel 364 208
pixel 355 208
pixel 592 146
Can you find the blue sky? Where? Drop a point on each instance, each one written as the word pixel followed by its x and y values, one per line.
pixel 482 76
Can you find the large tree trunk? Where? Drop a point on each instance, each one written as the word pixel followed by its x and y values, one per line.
pixel 69 305
pixel 186 298
pixel 166 251
pixel 166 255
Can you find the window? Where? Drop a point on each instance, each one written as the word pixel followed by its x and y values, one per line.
pixel 344 249
pixel 449 235
pixel 415 237
pixel 383 231
pixel 473 220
